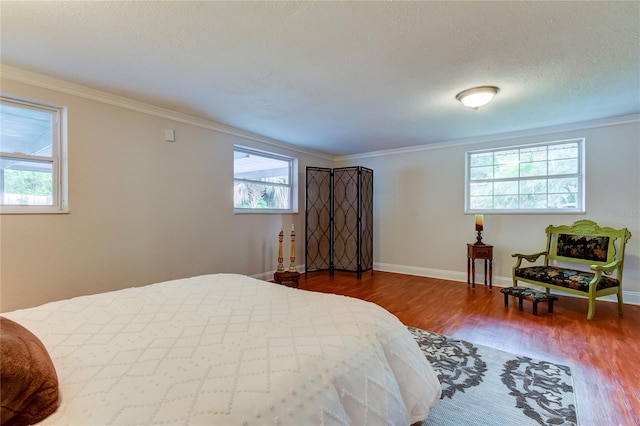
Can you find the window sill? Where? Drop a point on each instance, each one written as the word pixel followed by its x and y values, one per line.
pixel 537 211
pixel 33 210
pixel 263 211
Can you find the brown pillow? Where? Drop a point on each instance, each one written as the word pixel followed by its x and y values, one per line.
pixel 28 379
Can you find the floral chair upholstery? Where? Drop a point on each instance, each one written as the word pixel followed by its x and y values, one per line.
pixel 582 244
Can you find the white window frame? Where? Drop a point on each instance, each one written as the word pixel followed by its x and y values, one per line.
pixel 58 159
pixel 580 175
pixel 292 185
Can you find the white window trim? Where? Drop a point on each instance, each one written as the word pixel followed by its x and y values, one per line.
pixel 58 159
pixel 580 209
pixel 293 178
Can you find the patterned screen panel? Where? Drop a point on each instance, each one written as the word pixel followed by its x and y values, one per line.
pixel 318 211
pixel 339 227
pixel 346 218
pixel 366 205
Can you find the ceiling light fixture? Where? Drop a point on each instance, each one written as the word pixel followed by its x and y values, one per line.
pixel 477 96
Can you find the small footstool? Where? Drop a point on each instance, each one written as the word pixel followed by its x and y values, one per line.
pixel 530 294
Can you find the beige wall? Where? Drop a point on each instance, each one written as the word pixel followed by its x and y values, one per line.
pixel 419 221
pixel 142 210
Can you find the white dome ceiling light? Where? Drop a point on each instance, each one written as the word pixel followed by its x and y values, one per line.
pixel 477 96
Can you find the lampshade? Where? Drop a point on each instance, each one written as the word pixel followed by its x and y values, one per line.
pixel 477 96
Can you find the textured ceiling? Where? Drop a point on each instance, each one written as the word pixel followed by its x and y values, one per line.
pixel 343 77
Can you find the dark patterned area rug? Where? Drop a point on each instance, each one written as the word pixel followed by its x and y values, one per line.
pixel 487 387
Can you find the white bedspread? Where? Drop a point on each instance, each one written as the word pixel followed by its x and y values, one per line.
pixel 231 350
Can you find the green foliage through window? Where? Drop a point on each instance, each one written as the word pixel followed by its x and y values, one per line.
pixel 542 177
pixel 262 181
pixel 30 152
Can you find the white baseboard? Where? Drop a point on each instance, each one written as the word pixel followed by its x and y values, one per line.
pixel 265 276
pixel 268 276
pixel 629 297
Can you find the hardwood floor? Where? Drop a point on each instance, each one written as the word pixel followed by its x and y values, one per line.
pixel 603 354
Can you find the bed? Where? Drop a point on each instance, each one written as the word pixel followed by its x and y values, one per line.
pixel 232 350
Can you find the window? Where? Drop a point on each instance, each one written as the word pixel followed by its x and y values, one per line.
pixel 32 178
pixel 545 177
pixel 262 181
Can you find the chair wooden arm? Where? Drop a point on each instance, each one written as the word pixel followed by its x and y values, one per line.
pixel 529 257
pixel 607 269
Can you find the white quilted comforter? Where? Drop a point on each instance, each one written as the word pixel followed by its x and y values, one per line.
pixel 232 350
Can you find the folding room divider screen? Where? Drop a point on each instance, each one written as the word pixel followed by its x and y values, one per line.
pixel 339 219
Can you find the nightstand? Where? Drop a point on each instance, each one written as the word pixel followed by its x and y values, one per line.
pixel 479 251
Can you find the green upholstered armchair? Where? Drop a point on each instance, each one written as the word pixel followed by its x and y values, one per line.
pixel 581 258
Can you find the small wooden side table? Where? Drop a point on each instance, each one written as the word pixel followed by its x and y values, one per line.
pixel 288 278
pixel 479 251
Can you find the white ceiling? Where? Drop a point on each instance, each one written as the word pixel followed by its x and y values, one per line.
pixel 343 77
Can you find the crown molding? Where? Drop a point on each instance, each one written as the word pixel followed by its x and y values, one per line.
pixel 541 131
pixel 51 83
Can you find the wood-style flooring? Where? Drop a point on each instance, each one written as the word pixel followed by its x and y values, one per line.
pixel 603 354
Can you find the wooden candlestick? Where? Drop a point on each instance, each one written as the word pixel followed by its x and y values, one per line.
pixel 292 258
pixel 280 255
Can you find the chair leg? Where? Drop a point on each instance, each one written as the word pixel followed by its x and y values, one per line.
pixel 592 308
pixel 506 299
pixel 535 307
pixel 550 306
pixel 520 303
pixel 620 303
